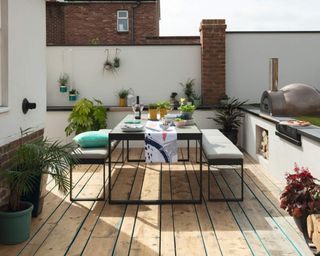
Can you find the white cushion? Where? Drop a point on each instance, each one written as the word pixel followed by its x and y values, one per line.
pixel 217 146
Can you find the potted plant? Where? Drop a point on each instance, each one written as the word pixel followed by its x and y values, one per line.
pixel 153 112
pixel 186 109
pixel 163 107
pixel 87 116
pixel 123 93
pixel 223 99
pixel 73 94
pixel 229 117
pixel 63 82
pixel 188 89
pixel 300 197
pixel 173 99
pixel 197 100
pixel 116 62
pixel 31 161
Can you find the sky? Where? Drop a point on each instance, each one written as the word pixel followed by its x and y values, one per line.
pixel 183 17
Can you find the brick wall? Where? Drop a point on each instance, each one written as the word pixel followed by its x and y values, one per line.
pixel 213 60
pixel 6 153
pixel 172 40
pixel 80 23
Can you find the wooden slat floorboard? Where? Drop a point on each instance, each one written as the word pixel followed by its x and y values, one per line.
pixel 256 226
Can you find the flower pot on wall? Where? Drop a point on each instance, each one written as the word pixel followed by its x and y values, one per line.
pixel 122 102
pixel 153 114
pixel 15 226
pixel 63 88
pixel 301 223
pixel 163 112
pixel 72 97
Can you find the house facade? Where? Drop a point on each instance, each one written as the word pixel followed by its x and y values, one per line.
pixel 101 22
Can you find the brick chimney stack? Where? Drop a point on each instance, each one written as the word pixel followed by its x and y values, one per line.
pixel 213 60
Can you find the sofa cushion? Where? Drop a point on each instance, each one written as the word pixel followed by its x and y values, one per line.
pixel 92 139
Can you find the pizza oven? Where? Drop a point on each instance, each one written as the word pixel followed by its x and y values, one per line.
pixel 292 100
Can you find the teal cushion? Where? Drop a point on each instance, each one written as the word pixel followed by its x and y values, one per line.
pixel 92 139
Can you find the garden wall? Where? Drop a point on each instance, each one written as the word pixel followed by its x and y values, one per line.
pixel 247 61
pixel 153 72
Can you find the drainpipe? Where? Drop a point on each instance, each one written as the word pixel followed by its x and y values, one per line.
pixel 133 40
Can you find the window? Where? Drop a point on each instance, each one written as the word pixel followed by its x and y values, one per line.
pixel 122 21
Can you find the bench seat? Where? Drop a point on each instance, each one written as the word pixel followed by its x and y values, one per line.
pixel 219 150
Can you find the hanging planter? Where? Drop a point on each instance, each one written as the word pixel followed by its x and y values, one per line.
pixel 63 82
pixel 109 65
pixel 73 95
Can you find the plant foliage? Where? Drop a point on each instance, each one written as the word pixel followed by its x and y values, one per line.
pixel 229 115
pixel 301 194
pixel 33 159
pixel 187 108
pixel 63 79
pixel 164 105
pixel 188 89
pixel 87 116
pixel 123 93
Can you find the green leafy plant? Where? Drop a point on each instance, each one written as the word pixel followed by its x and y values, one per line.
pixel 63 79
pixel 229 115
pixel 33 159
pixel 87 116
pixel 188 89
pixel 164 105
pixel 153 106
pixel 123 93
pixel 116 62
pixel 73 92
pixel 187 108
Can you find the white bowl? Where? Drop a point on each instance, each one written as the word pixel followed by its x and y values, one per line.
pixel 180 123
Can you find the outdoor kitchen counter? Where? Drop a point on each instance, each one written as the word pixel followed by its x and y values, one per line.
pixel 311 131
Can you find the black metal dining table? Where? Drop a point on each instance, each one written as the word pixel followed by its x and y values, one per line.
pixel 186 133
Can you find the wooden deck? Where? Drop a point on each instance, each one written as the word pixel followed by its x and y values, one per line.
pixel 256 226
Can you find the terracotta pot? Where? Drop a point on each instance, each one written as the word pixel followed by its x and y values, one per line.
pixel 122 102
pixel 153 114
pixel 163 112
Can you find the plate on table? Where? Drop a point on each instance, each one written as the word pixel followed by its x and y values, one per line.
pixel 132 128
pixel 295 123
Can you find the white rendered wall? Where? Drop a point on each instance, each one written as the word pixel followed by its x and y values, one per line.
pixel 152 71
pixel 247 61
pixel 282 154
pixel 27 67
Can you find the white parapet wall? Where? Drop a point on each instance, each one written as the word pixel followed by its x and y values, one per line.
pixel 247 61
pixel 153 72
pixel 282 154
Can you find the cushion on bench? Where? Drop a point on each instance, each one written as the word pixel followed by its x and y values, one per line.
pixel 218 146
pixel 94 153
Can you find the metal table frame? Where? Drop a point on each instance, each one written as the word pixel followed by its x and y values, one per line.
pixel 139 136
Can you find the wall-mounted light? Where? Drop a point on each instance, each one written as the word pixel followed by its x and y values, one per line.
pixel 26 105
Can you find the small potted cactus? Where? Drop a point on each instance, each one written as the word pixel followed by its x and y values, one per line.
pixel 63 82
pixel 123 93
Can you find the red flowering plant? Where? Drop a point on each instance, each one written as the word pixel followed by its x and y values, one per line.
pixel 301 195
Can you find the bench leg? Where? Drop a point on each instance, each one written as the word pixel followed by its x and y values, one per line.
pixel 103 198
pixel 226 199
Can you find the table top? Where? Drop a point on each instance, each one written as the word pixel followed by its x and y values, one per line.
pixel 186 132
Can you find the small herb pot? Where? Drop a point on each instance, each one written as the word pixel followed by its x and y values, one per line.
pixel 186 115
pixel 63 88
pixel 162 112
pixel 153 114
pixel 72 97
pixel 122 102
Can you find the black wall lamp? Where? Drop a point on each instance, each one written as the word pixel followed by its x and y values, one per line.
pixel 26 105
